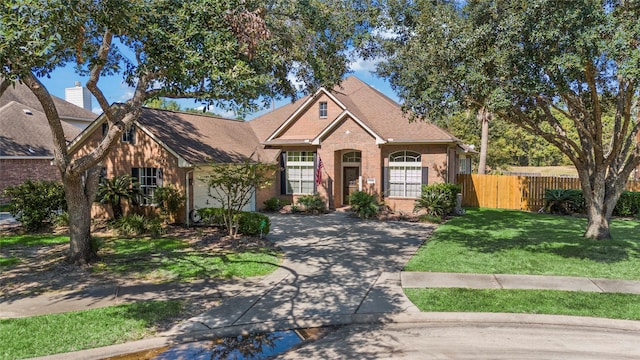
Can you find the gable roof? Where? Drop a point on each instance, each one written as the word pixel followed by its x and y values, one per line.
pixel 20 93
pixel 378 114
pixel 199 139
pixel 26 132
pixel 194 139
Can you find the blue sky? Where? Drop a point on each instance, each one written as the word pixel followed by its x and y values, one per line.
pixel 116 90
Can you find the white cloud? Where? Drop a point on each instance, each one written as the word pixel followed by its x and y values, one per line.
pixel 299 85
pixel 226 113
pixel 127 94
pixel 364 65
pixel 97 110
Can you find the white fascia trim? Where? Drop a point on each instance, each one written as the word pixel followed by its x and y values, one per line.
pixel 181 161
pixel 304 107
pixel 433 142
pixel 345 113
pixel 86 132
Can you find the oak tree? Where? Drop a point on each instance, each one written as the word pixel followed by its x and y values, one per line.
pixel 235 54
pixel 554 68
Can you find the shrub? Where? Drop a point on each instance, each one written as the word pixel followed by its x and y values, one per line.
pixel 273 204
pixel 168 199
pixel 437 199
pixel 363 204
pixel 114 191
pixel 426 218
pixel 153 227
pixel 563 201
pixel 628 204
pixel 130 225
pixel 250 223
pixel 135 225
pixel 35 202
pixel 212 216
pixel 313 203
pixel 61 219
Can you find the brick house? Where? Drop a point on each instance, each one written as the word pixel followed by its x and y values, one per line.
pixel 362 138
pixel 26 145
pixel 364 141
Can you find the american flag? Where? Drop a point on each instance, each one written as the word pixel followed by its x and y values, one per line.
pixel 319 171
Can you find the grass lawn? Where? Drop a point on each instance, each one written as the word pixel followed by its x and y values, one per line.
pixel 158 260
pixel 11 241
pixel 612 306
pixel 58 333
pixel 169 259
pixel 496 241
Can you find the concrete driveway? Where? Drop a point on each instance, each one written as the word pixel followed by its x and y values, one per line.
pixel 336 266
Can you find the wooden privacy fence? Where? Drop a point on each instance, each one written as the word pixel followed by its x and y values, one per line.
pixel 515 192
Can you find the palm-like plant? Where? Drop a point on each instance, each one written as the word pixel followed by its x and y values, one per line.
pixel 114 191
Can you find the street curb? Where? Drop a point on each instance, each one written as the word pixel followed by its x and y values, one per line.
pixel 427 318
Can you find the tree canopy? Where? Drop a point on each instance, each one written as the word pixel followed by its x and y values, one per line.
pixel 234 54
pixel 554 68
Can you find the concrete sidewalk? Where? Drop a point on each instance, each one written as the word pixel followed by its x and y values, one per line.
pixel 505 281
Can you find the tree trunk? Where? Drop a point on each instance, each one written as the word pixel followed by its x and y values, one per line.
pixel 80 252
pixel 599 203
pixel 598 227
pixel 483 117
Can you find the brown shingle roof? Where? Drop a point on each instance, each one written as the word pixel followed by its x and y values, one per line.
pixel 20 93
pixel 384 115
pixel 381 114
pixel 26 132
pixel 202 138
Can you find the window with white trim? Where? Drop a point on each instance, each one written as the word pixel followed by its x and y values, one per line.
pixel 148 179
pixel 464 165
pixel 405 174
pixel 323 109
pixel 300 172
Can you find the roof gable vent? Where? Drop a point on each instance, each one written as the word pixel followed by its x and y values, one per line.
pixel 27 111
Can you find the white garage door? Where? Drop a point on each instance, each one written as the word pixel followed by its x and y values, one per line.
pixel 201 199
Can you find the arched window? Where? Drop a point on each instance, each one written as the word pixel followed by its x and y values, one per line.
pixel 351 157
pixel 405 174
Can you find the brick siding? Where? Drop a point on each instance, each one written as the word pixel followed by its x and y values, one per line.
pixel 16 171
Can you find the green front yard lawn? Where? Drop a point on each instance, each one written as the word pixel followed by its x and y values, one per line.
pixel 492 241
pixel 73 331
pixel 611 306
pixel 167 259
pixel 496 241
pixel 170 259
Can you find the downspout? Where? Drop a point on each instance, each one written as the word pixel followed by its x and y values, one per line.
pixel 449 166
pixel 187 186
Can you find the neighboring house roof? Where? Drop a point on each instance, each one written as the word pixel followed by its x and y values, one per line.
pixel 26 132
pixel 379 115
pixel 20 93
pixel 199 139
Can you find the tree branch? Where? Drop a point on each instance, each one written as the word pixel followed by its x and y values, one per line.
pixel 53 118
pixel 92 84
pixel 590 75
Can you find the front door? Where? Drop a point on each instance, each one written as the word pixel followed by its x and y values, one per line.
pixel 350 182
